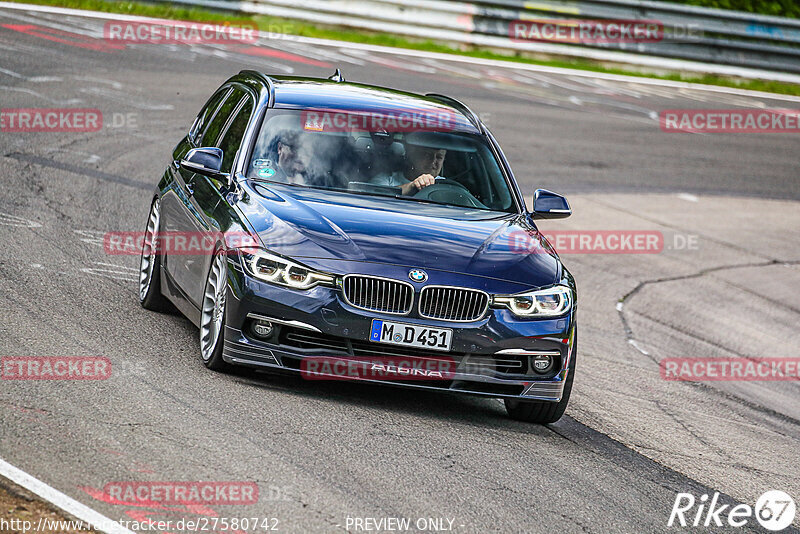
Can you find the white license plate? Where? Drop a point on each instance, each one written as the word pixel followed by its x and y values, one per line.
pixel 411 335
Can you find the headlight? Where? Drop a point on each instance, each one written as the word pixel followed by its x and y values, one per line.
pixel 282 271
pixel 549 302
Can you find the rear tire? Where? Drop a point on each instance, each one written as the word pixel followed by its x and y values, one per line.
pixel 543 412
pixel 150 296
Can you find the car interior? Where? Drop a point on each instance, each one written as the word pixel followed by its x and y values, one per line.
pixel 352 160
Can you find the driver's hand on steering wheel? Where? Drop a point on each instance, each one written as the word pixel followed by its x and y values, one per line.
pixel 421 181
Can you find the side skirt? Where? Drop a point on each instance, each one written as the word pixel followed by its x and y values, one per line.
pixel 171 290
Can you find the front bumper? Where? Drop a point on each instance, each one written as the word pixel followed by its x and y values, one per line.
pixel 490 357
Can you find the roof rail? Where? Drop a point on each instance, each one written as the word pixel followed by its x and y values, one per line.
pixel 337 76
pixel 473 118
pixel 264 78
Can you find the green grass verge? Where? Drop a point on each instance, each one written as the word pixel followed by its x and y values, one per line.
pixel 777 8
pixel 297 27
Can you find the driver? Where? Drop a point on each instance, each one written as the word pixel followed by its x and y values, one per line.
pixel 423 165
pixel 291 149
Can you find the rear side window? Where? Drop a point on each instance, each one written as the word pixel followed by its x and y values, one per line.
pixel 206 114
pixel 233 136
pixel 220 119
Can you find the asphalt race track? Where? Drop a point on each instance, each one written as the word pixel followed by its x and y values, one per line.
pixel 325 452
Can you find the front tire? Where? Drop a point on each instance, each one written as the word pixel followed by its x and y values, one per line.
pixel 543 412
pixel 150 296
pixel 212 316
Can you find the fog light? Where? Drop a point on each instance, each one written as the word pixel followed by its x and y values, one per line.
pixel 262 329
pixel 541 363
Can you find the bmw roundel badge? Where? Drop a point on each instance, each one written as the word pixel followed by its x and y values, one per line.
pixel 417 275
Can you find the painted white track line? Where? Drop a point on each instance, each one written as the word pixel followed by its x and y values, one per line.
pixel 432 55
pixel 82 512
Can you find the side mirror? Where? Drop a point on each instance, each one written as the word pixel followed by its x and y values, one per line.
pixel 206 161
pixel 549 205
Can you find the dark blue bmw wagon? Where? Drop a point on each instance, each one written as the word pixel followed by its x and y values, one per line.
pixel 356 232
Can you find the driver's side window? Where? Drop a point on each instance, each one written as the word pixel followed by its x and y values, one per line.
pixel 206 115
pixel 212 133
pixel 232 139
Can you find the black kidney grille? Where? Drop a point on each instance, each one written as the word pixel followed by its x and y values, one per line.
pixel 378 294
pixel 452 303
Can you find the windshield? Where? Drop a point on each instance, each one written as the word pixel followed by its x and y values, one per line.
pixel 413 156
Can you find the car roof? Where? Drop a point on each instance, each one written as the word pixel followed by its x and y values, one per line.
pixel 295 92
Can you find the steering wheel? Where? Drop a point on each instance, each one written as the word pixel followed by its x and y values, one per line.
pixel 450 192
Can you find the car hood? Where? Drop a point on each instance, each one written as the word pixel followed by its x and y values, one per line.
pixel 332 230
